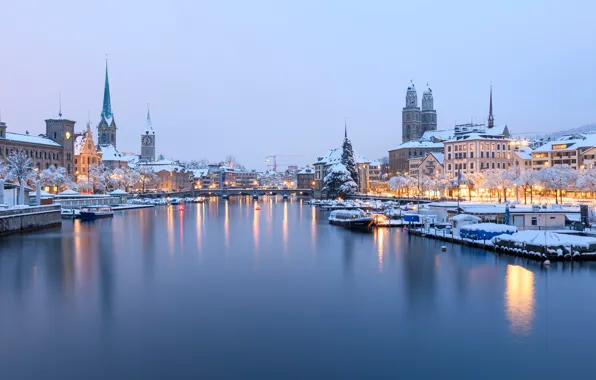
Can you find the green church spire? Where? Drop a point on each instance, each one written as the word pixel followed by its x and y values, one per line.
pixel 106 111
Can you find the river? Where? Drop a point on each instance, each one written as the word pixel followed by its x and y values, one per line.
pixel 221 291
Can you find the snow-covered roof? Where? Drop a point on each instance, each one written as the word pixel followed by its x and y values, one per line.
pixel 334 156
pixel 481 132
pixel 42 193
pixel 438 156
pixel 306 171
pixel 420 144
pixel 118 192
pixel 525 153
pixel 570 142
pixel 197 173
pixel 30 139
pixel 464 217
pixel 548 238
pixel 69 192
pixel 444 134
pixel 375 163
pixel 110 153
pixel 167 165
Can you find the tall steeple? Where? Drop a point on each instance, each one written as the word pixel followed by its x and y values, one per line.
pixel 106 110
pixel 148 140
pixel 491 118
pixel 148 126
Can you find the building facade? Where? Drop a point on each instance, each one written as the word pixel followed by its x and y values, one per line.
pixel 305 178
pixel 85 152
pixel 399 158
pixel 571 150
pixel 476 148
pixel 431 165
pixel 170 175
pixel 44 150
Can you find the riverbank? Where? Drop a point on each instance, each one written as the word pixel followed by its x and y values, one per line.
pixel 29 219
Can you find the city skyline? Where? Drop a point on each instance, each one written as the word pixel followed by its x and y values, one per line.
pixel 284 79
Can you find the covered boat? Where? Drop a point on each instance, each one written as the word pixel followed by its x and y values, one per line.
pixel 96 212
pixel 354 219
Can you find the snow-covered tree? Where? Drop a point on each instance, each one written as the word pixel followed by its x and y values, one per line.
pixel 56 177
pixel 558 178
pixel 19 167
pixel 499 180
pixel 146 177
pixel 348 160
pixel 338 182
pixel 403 183
pixel 527 178
pixel 197 164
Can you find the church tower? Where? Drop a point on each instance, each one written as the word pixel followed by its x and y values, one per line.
pixel 410 116
pixel 491 118
pixel 429 115
pixel 106 129
pixel 148 141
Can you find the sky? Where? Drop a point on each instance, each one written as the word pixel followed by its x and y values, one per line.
pixel 259 78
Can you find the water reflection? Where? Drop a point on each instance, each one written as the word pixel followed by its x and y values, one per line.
pixel 226 226
pixel 255 231
pixel 379 240
pixel 170 217
pixel 519 299
pixel 285 227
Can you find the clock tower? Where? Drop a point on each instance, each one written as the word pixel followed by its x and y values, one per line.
pixel 148 141
pixel 62 131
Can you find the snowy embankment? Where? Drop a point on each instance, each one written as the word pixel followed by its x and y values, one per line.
pixel 485 231
pixel 555 244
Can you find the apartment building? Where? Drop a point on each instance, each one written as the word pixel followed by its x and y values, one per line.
pixel 576 151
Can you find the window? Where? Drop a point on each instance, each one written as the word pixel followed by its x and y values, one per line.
pixel 471 154
pixel 448 166
pixel 471 165
pixel 76 161
pixel 493 165
pixel 449 148
pixel 493 146
pixel 498 154
pixel 449 156
pixel 464 166
pixel 534 220
pixel 464 155
pixel 493 154
pixel 509 156
pixel 55 135
pixel 481 146
pixel 481 154
pixel 471 146
pixel 498 146
pixel 498 165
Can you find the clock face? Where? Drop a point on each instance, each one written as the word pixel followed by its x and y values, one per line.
pixel 147 140
pixel 67 135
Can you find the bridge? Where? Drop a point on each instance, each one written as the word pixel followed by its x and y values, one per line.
pixel 231 192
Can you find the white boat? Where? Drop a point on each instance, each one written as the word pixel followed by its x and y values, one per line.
pixel 176 201
pixel 353 219
pixel 70 213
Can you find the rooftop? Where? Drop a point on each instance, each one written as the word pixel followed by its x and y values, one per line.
pixel 30 139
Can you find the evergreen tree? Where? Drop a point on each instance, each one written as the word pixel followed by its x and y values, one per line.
pixel 347 158
pixel 339 183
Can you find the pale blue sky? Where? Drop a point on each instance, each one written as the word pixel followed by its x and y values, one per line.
pixel 253 78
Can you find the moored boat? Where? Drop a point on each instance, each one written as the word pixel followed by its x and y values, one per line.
pixel 176 201
pixel 70 213
pixel 96 212
pixel 353 219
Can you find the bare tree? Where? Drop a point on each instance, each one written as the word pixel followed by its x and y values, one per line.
pixel 146 177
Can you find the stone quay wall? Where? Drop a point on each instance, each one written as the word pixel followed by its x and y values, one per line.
pixel 30 218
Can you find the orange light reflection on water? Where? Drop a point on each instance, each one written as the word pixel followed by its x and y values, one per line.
pixel 519 299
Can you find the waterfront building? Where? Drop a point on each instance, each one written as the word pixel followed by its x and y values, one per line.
pixel 477 147
pixel 238 178
pixel 171 176
pixel 85 152
pixel 148 141
pixel 55 147
pixel 431 165
pixel 363 167
pixel 415 122
pixel 305 178
pixel 522 156
pixel 576 151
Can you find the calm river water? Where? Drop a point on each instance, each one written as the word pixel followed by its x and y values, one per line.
pixel 221 291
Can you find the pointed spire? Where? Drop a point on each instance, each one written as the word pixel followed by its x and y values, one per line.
pixel 106 111
pixel 149 125
pixel 60 105
pixel 346 127
pixel 491 118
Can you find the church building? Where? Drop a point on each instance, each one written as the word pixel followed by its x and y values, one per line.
pixel 414 121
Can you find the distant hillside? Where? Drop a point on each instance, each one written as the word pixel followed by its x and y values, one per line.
pixel 590 128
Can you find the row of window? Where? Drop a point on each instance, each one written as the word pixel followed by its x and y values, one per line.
pixel 483 165
pixel 89 160
pixel 488 146
pixel 35 154
pixel 459 156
